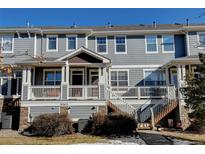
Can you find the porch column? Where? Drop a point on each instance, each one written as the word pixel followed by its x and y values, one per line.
pixel 179 76
pixel 102 82
pixel 64 82
pixel 167 76
pixel 26 83
pixel 183 72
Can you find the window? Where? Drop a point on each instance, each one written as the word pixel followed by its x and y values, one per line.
pixel 52 43
pixel 101 45
pixel 6 43
pixel 154 77
pixel 71 42
pixel 52 77
pixel 119 78
pixel 151 44
pixel 201 40
pixel 120 44
pixel 14 88
pixel 168 43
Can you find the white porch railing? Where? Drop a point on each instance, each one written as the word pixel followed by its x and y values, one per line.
pixel 84 92
pixel 45 92
pixel 140 92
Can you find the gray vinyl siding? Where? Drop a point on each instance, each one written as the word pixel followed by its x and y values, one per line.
pixel 21 45
pixel 82 112
pixel 38 110
pixel 193 43
pixel 136 54
pixel 61 45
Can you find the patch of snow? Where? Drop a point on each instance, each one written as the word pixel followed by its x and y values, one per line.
pixel 183 142
pixel 124 140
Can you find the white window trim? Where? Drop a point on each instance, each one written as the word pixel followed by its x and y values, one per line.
pixel 150 69
pixel 115 44
pixel 96 45
pixel 76 42
pixel 117 70
pixel 151 52
pixel 198 40
pixel 1 43
pixel 71 75
pixel 47 40
pixel 163 51
pixel 50 70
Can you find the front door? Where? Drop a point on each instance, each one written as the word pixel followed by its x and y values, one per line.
pixel 94 77
pixel 93 91
pixel 77 82
pixel 174 77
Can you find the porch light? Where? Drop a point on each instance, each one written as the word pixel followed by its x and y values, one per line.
pixel 69 108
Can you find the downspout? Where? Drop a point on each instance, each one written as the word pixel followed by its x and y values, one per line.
pixel 86 41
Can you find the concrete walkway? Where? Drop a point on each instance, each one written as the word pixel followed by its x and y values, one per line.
pixel 154 139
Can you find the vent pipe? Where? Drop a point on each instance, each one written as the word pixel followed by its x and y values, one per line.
pixel 154 24
pixel 187 22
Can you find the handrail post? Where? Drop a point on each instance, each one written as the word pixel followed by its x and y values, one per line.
pixel 152 118
pixel 138 92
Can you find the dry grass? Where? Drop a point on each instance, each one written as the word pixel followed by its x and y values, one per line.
pixel 63 140
pixel 185 136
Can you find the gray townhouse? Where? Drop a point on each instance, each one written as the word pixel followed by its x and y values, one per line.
pixel 77 70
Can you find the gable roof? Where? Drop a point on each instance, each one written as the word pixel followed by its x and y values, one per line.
pixel 87 51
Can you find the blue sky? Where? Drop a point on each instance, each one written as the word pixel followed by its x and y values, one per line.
pixel 66 17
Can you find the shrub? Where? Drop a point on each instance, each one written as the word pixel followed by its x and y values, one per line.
pixel 114 124
pixel 51 125
pixel 198 123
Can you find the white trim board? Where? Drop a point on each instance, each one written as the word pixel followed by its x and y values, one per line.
pixel 136 66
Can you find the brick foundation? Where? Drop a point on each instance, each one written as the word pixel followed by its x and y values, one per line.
pixel 23 118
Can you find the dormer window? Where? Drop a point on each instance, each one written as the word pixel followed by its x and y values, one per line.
pixel 71 42
pixel 6 43
pixel 52 43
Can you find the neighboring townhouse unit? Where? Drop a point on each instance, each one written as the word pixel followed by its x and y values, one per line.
pixel 81 70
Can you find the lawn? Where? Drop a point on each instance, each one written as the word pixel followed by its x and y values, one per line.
pixel 63 140
pixel 185 136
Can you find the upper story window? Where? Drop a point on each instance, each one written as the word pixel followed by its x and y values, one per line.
pixel 52 43
pixel 151 44
pixel 102 45
pixel 52 77
pixel 201 40
pixel 6 43
pixel 120 42
pixel 71 42
pixel 168 43
pixel 119 78
pixel 154 77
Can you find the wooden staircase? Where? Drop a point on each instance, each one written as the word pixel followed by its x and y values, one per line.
pixel 157 112
pixel 163 111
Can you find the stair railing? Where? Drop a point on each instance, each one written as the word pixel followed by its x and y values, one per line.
pixel 171 96
pixel 121 104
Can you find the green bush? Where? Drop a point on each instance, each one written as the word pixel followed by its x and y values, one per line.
pixel 114 124
pixel 51 125
pixel 198 121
